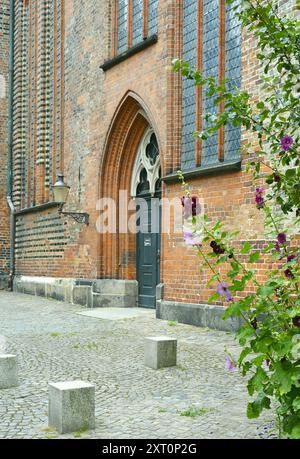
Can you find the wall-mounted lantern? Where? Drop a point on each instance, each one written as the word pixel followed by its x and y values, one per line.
pixel 61 192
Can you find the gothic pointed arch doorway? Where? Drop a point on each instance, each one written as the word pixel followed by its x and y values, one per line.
pixel 146 189
pixel 132 141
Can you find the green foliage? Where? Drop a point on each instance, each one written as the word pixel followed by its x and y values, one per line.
pixel 162 410
pixel 54 334
pixel 270 336
pixel 172 323
pixel 90 346
pixel 194 412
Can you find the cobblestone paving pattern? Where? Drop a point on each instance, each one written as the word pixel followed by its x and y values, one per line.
pixel 53 344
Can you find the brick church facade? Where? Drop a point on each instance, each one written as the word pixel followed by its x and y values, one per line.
pixel 88 90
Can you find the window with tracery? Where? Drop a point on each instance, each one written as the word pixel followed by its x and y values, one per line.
pixel 212 43
pixel 146 172
pixel 134 21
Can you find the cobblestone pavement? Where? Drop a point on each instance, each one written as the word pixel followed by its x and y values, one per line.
pixel 53 343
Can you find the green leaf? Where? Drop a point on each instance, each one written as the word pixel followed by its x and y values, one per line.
pixel 291 422
pixel 282 377
pixel 296 404
pixel 213 279
pixel 260 105
pixel 217 226
pixel 290 174
pixel 213 297
pixel 266 290
pixel 255 408
pixel 233 310
pixel 245 352
pixel 257 361
pixel 246 248
pixel 295 435
pixel 254 257
pixel 244 334
pixel 256 383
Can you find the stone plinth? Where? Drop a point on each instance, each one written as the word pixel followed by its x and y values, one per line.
pixel 8 371
pixel 71 406
pixel 160 352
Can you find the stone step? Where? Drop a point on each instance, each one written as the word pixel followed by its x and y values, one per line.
pixel 100 300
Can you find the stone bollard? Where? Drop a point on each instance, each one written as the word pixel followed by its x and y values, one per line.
pixel 160 352
pixel 8 371
pixel 71 406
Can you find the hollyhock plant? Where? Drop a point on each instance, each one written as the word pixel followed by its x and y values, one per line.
pixel 191 238
pixel 296 321
pixel 286 142
pixel 230 364
pixel 196 208
pixel 187 207
pixel 191 206
pixel 281 238
pixel 288 273
pixel 254 323
pixel 259 199
pixel 222 290
pixel 291 257
pixel 264 287
pixel 276 178
pixel 277 246
pixel 217 249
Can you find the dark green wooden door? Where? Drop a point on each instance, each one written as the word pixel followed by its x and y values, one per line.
pixel 148 249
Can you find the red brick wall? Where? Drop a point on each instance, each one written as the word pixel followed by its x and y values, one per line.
pixel 102 128
pixel 4 59
pixel 50 245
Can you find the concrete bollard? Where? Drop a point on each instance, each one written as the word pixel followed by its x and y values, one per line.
pixel 8 371
pixel 160 352
pixel 71 406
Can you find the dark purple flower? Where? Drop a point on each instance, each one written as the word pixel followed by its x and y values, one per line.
pixel 254 323
pixel 296 321
pixel 230 364
pixel 276 178
pixel 222 290
pixel 187 207
pixel 191 206
pixel 291 257
pixel 281 238
pixel 259 199
pixel 218 250
pixel 286 142
pixel 196 208
pixel 288 273
pixel 277 246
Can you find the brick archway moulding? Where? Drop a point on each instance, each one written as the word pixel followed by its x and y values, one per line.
pixel 131 119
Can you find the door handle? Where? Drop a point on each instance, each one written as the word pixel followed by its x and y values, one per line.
pixel 158 254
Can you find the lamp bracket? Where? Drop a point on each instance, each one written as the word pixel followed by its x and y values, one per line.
pixel 79 217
